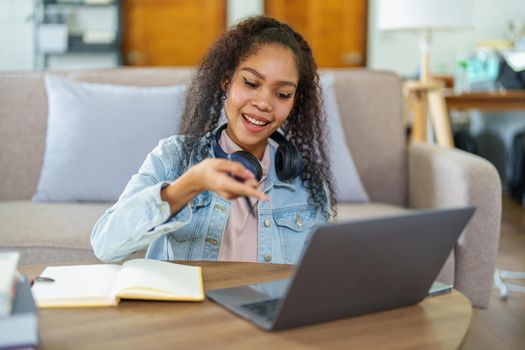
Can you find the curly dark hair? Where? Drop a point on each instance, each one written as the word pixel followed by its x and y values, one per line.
pixel 305 125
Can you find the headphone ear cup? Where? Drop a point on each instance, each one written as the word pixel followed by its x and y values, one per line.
pixel 298 161
pixel 250 162
pixel 286 162
pixel 282 164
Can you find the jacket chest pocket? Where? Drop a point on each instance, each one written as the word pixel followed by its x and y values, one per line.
pixel 294 226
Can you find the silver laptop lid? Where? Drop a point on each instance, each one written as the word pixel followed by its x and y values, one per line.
pixel 358 267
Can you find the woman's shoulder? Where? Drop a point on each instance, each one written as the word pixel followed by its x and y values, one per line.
pixel 176 144
pixel 172 147
pixel 177 140
pixel 177 148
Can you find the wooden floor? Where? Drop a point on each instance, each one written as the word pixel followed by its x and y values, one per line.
pixel 502 326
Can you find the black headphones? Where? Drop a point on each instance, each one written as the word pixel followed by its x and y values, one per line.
pixel 288 160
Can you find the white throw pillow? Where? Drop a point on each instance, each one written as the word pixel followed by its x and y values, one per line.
pixel 98 135
pixel 348 186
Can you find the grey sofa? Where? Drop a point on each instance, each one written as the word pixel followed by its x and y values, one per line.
pixel 396 176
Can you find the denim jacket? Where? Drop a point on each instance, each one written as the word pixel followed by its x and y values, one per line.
pixel 141 218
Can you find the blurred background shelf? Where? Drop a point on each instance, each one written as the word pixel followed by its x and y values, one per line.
pixel 78 34
pixel 76 44
pixel 79 3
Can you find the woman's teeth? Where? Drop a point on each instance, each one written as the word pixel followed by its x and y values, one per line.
pixel 254 121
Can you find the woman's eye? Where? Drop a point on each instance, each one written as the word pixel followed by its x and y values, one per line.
pixel 250 83
pixel 284 95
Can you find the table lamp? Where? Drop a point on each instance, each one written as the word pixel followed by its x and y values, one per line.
pixel 424 95
pixel 424 16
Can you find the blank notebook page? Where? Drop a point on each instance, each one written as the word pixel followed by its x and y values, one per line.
pixel 166 279
pixel 77 282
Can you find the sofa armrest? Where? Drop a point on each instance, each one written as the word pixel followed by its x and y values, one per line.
pixel 442 177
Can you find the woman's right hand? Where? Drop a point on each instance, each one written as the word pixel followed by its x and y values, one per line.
pixel 217 175
pixel 212 174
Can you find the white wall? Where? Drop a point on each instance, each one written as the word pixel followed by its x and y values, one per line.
pixel 16 35
pixel 398 51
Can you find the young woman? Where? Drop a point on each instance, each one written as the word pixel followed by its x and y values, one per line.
pixel 238 191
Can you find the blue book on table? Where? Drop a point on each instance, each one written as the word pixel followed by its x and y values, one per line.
pixel 20 329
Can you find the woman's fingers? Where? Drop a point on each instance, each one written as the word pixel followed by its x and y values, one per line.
pixel 228 178
pixel 235 169
pixel 252 183
pixel 233 188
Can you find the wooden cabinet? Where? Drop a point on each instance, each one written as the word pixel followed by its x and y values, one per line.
pixel 178 32
pixel 336 29
pixel 170 32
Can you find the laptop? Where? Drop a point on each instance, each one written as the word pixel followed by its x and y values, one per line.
pixel 353 268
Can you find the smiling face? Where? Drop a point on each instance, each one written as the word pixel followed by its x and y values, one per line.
pixel 260 96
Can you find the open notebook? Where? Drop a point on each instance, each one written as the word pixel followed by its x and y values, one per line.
pixel 106 284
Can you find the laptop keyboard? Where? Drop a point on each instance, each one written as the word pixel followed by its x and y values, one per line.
pixel 266 308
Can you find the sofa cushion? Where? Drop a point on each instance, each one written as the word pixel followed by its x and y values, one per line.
pixel 48 232
pixel 348 186
pixel 353 211
pixel 371 107
pixel 98 136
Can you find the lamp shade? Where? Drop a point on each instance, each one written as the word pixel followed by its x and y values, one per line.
pixel 424 14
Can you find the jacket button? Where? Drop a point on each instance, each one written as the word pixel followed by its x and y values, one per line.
pixel 268 257
pixel 299 221
pixel 212 241
pixel 219 207
pixel 267 222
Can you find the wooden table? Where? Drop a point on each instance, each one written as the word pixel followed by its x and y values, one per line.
pixel 439 322
pixel 430 98
pixel 487 101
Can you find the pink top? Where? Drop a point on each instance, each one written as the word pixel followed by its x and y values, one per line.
pixel 240 238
